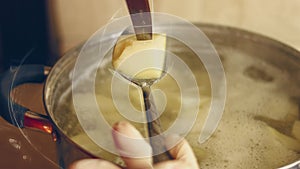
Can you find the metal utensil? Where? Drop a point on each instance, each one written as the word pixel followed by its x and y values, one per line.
pixel 141 20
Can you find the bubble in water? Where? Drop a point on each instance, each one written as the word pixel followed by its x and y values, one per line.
pixel 26 157
pixel 16 144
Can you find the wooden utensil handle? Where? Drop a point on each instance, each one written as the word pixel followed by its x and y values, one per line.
pixel 141 18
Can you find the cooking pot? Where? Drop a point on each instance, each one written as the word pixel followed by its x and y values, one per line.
pixel 248 59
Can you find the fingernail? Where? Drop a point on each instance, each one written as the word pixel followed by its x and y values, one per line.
pixel 127 129
pixel 129 142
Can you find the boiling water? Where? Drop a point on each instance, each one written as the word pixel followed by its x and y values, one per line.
pixel 254 92
pixel 254 89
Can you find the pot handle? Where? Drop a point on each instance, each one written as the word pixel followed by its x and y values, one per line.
pixel 16 114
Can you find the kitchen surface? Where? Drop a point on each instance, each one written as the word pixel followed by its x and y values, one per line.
pixel 74 21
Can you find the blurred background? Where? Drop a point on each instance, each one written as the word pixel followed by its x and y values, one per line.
pixel 53 27
pixel 43 30
pixel 279 19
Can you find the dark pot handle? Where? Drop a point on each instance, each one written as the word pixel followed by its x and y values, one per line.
pixel 16 114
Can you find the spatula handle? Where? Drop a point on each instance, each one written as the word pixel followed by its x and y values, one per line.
pixel 141 18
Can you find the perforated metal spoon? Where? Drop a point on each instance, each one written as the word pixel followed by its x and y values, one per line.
pixel 141 20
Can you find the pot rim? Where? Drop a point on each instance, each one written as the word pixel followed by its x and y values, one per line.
pixel 292 52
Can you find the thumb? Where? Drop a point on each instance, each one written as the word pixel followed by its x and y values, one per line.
pixel 181 150
pixel 92 164
pixel 174 164
pixel 133 148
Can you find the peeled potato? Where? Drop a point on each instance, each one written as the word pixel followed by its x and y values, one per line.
pixel 143 59
pixel 287 141
pixel 296 130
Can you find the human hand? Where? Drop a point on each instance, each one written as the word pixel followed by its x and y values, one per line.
pixel 182 153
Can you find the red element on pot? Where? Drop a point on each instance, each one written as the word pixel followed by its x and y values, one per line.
pixel 38 121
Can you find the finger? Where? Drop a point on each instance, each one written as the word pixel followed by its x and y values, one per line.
pixel 181 151
pixel 92 164
pixel 131 145
pixel 175 164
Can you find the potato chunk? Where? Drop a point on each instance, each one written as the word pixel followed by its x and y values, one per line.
pixel 285 140
pixel 140 59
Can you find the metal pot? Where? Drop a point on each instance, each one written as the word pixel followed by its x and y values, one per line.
pixel 244 54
